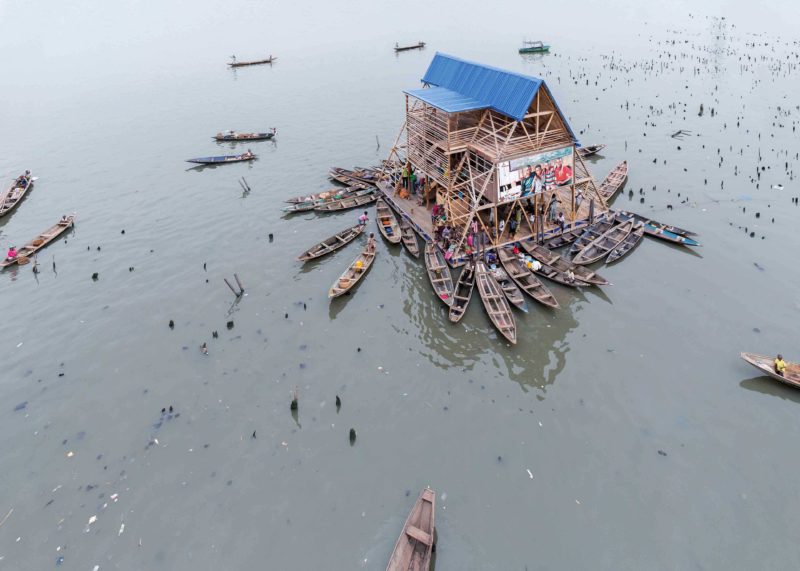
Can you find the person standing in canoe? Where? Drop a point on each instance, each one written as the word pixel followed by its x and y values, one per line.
pixel 780 365
pixel 363 219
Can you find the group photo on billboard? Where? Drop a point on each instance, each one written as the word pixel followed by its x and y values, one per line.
pixel 534 174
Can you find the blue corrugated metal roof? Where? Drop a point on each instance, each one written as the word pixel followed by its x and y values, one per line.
pixel 461 85
pixel 447 99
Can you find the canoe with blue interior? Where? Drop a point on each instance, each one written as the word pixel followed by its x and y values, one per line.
pixel 222 159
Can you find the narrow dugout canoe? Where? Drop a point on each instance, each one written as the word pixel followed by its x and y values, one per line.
pixel 565 239
pixel 661 231
pixel 11 198
pixel 42 240
pixel 353 274
pixel 562 266
pixel 233 136
pixel 331 194
pixel 223 159
pixel 614 181
pixel 417 46
pixel 270 59
pixel 590 150
pixel 347 176
pixel 463 293
pixel 525 278
pixel 315 203
pixel 332 244
pixel 601 246
pixel 387 223
pixel 590 233
pixel 510 290
pixel 414 547
pixel 409 237
pixel 628 244
pixel 623 215
pixel 495 303
pixel 767 366
pixel 347 203
pixel 548 271
pixel 439 273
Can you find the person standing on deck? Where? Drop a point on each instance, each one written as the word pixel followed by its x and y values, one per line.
pixel 578 199
pixel 512 228
pixel 363 219
pixel 780 365
pixel 552 207
pixel 562 221
pixel 405 176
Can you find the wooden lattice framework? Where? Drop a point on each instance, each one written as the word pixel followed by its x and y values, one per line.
pixel 459 153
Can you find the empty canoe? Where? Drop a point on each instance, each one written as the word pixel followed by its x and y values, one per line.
pixel 347 203
pixel 628 244
pixel 409 237
pixel 601 246
pixel 347 176
pixel 590 233
pixel 42 240
pixel 414 547
pixel 332 244
pixel 565 239
pixel 439 273
pixel 463 293
pixel 525 278
pixel 590 150
pixel 661 231
pixel 510 290
pixel 495 303
pixel 387 223
pixel 235 63
pixel 767 366
pixel 353 274
pixel 614 181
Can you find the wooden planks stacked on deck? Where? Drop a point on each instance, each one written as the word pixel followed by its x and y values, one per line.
pixel 495 303
pixel 414 547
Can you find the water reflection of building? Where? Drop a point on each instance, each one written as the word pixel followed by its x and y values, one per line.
pixel 491 148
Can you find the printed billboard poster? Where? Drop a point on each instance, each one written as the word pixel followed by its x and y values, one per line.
pixel 535 173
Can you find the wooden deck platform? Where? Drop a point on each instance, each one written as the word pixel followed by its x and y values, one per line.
pixel 420 219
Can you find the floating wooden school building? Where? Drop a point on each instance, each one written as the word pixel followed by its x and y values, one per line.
pixel 488 145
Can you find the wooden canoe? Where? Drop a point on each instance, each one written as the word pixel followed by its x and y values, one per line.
pixel 767 366
pixel 590 150
pixel 495 303
pixel 270 59
pixel 463 293
pixel 300 207
pixel 614 181
pixel 439 273
pixel 590 233
pixel 314 203
pixel 353 274
pixel 601 246
pixel 329 194
pixel 11 198
pixel 387 223
pixel 510 289
pixel 628 244
pixel 525 278
pixel 409 237
pixel 346 176
pixel 565 239
pixel 41 241
pixel 347 203
pixel 233 136
pixel 582 275
pixel 332 244
pixel 661 231
pixel 417 46
pixel 223 159
pixel 414 547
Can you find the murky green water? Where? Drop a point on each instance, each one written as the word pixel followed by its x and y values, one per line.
pixel 104 103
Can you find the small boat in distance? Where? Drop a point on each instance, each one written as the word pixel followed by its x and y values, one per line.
pixel 590 150
pixel 535 47
pixel 414 547
pixel 222 159
pixel 231 135
pixel 417 46
pixel 235 63
pixel 11 198
pixel 42 240
pixel 767 366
